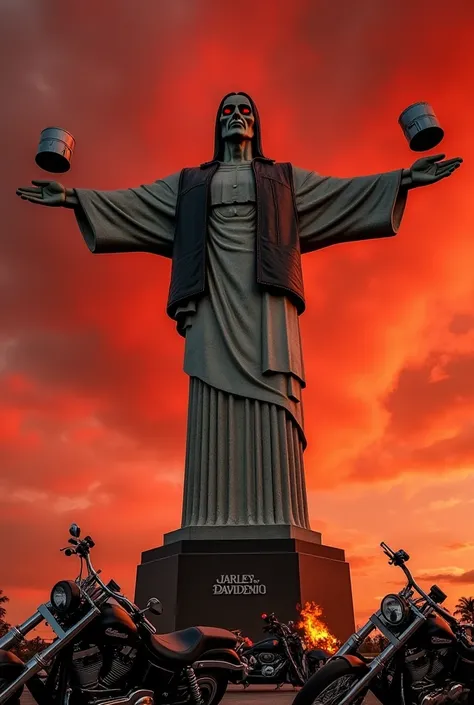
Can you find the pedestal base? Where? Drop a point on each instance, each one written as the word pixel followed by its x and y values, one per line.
pixel 229 582
pixel 220 533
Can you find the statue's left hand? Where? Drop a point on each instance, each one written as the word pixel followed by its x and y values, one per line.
pixel 429 170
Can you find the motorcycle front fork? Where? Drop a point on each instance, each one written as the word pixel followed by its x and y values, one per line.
pixel 44 658
pixel 16 634
pixel 396 642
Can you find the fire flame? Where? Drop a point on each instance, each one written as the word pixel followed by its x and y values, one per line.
pixel 316 633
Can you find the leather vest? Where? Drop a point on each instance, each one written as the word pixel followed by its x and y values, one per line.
pixel 278 259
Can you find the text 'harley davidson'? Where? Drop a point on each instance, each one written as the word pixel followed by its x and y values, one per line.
pixel 281 657
pixel 106 652
pixel 429 659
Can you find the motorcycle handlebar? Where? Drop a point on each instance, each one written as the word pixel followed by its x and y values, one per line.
pixel 115 595
pixel 82 549
pixel 434 605
pixel 398 558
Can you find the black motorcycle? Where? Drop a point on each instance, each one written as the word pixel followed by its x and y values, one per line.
pixel 429 659
pixel 281 658
pixel 106 652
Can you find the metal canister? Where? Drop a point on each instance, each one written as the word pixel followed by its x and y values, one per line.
pixel 55 150
pixel 421 127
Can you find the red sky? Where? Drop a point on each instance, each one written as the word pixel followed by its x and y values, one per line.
pixel 92 393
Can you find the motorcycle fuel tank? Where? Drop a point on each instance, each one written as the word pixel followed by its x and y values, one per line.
pixel 435 634
pixel 264 645
pixel 114 624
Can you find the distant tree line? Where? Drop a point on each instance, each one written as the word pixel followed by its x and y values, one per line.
pixel 28 647
pixel 374 644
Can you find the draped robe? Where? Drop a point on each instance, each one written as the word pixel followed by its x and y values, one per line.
pixel 243 356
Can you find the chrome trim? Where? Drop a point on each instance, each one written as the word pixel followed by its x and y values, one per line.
pixel 11 638
pixel 39 661
pixel 382 627
pixel 15 634
pixel 52 621
pixel 219 664
pixel 138 697
pixel 379 662
pixel 354 641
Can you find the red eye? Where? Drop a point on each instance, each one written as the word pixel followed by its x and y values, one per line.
pixel 227 110
pixel 245 110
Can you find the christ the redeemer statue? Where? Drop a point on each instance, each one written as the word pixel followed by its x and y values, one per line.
pixel 235 228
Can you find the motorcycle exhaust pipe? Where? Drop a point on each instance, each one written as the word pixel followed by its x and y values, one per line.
pixel 225 665
pixel 41 660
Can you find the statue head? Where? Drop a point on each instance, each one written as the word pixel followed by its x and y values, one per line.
pixel 237 120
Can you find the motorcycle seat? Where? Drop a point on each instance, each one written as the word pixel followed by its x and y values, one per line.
pixel 187 645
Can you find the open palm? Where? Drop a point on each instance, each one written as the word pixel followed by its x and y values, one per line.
pixel 46 193
pixel 429 170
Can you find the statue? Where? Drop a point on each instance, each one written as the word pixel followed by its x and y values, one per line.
pixel 235 228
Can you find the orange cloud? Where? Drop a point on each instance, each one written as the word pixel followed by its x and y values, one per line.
pixel 460 546
pixel 92 394
pixel 463 577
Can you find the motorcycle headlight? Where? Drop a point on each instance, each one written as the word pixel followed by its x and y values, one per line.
pixel 65 596
pixel 394 609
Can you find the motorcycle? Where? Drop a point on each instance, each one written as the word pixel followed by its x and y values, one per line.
pixel 106 651
pixel 429 659
pixel 280 659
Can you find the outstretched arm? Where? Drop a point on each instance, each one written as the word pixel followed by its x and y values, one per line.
pixel 334 210
pixel 138 219
pixel 130 220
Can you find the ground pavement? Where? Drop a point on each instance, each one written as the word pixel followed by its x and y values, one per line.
pixel 256 695
pixel 265 695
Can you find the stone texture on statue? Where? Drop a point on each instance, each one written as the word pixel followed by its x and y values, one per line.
pixel 245 439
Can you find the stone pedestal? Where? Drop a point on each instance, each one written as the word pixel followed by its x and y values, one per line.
pixel 226 577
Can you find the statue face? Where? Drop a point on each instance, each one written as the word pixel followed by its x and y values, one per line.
pixel 237 119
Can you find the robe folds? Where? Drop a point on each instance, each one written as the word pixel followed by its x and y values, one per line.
pixel 243 354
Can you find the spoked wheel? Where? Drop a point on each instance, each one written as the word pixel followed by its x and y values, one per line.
pixel 334 693
pixel 330 684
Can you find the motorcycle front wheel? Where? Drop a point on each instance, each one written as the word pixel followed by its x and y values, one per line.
pixel 330 684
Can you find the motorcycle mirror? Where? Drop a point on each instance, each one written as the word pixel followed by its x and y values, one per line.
pixel 154 606
pixel 75 531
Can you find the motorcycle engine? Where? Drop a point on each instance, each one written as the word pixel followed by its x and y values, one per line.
pixel 424 665
pixel 269 663
pixel 92 671
pixel 424 668
pixel 418 663
pixel 267 657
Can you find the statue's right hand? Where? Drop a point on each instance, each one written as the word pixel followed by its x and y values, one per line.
pixel 46 193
